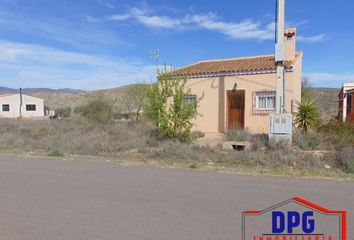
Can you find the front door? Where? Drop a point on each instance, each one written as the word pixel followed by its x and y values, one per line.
pixel 236 109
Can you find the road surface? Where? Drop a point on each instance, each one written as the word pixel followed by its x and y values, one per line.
pixel 56 199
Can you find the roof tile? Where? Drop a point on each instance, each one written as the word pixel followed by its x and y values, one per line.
pixel 235 65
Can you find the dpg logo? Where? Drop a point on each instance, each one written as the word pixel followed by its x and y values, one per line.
pixel 295 219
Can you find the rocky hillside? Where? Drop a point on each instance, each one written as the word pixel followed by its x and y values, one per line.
pixel 64 99
pixel 327 97
pixel 327 101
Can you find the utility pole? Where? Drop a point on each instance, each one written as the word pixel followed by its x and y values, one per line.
pixel 280 57
pixel 280 128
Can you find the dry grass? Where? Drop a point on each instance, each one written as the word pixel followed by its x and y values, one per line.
pixel 331 146
pixel 141 143
pixel 71 136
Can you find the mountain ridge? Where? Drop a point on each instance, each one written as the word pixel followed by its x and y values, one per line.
pixel 327 98
pixel 40 90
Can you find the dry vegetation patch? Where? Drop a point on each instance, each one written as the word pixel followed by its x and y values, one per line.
pixel 141 143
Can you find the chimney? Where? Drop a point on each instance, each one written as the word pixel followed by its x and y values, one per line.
pixel 290 44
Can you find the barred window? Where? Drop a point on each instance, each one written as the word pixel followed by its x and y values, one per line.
pixel 6 107
pixel 265 100
pixel 190 99
pixel 30 107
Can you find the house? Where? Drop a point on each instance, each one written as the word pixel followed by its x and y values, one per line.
pixel 20 106
pixel 240 92
pixel 346 102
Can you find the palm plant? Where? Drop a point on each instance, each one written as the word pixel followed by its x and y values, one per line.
pixel 308 115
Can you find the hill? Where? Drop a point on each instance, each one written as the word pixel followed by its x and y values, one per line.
pixel 327 101
pixel 64 99
pixel 40 90
pixel 57 98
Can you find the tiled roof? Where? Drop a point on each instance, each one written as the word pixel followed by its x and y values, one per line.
pixel 234 65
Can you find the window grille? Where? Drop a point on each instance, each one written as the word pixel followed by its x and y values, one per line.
pixel 190 99
pixel 264 102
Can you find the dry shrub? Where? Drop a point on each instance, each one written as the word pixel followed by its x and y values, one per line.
pixel 80 137
pixel 344 159
pixel 238 135
pixel 180 151
pixel 337 134
pixel 72 136
pixel 306 141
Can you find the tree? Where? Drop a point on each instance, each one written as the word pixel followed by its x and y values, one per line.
pixel 63 112
pixel 97 110
pixel 167 107
pixel 134 99
pixel 305 88
pixel 308 115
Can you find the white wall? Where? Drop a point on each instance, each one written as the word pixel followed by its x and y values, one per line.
pixel 14 102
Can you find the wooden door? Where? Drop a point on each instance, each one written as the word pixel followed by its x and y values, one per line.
pixel 236 109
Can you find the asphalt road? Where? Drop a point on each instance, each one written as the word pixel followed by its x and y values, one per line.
pixel 55 199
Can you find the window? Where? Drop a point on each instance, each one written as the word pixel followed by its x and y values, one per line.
pixel 6 108
pixel 30 107
pixel 190 99
pixel 349 103
pixel 265 100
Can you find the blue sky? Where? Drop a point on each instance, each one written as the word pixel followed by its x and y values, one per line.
pixel 95 44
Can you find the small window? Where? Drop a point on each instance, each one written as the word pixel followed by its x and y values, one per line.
pixel 6 107
pixel 30 107
pixel 190 99
pixel 290 38
pixel 349 103
pixel 265 100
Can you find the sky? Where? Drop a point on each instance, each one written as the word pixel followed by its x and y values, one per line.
pixel 97 44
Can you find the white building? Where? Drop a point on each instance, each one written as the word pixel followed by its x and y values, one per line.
pixel 346 102
pixel 20 106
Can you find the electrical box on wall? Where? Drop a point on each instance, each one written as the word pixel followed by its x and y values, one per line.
pixel 281 127
pixel 281 124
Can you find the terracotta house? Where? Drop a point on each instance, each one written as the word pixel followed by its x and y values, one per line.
pixel 346 102
pixel 240 92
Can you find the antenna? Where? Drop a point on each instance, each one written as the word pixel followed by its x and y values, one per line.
pixel 155 55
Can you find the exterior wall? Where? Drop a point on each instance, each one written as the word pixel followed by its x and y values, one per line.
pixel 290 47
pixel 213 107
pixel 347 89
pixel 14 102
pixel 350 115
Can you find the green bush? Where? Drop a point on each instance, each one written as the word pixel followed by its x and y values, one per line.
pixel 97 110
pixel 56 153
pixel 63 112
pixel 167 108
pixel 308 115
